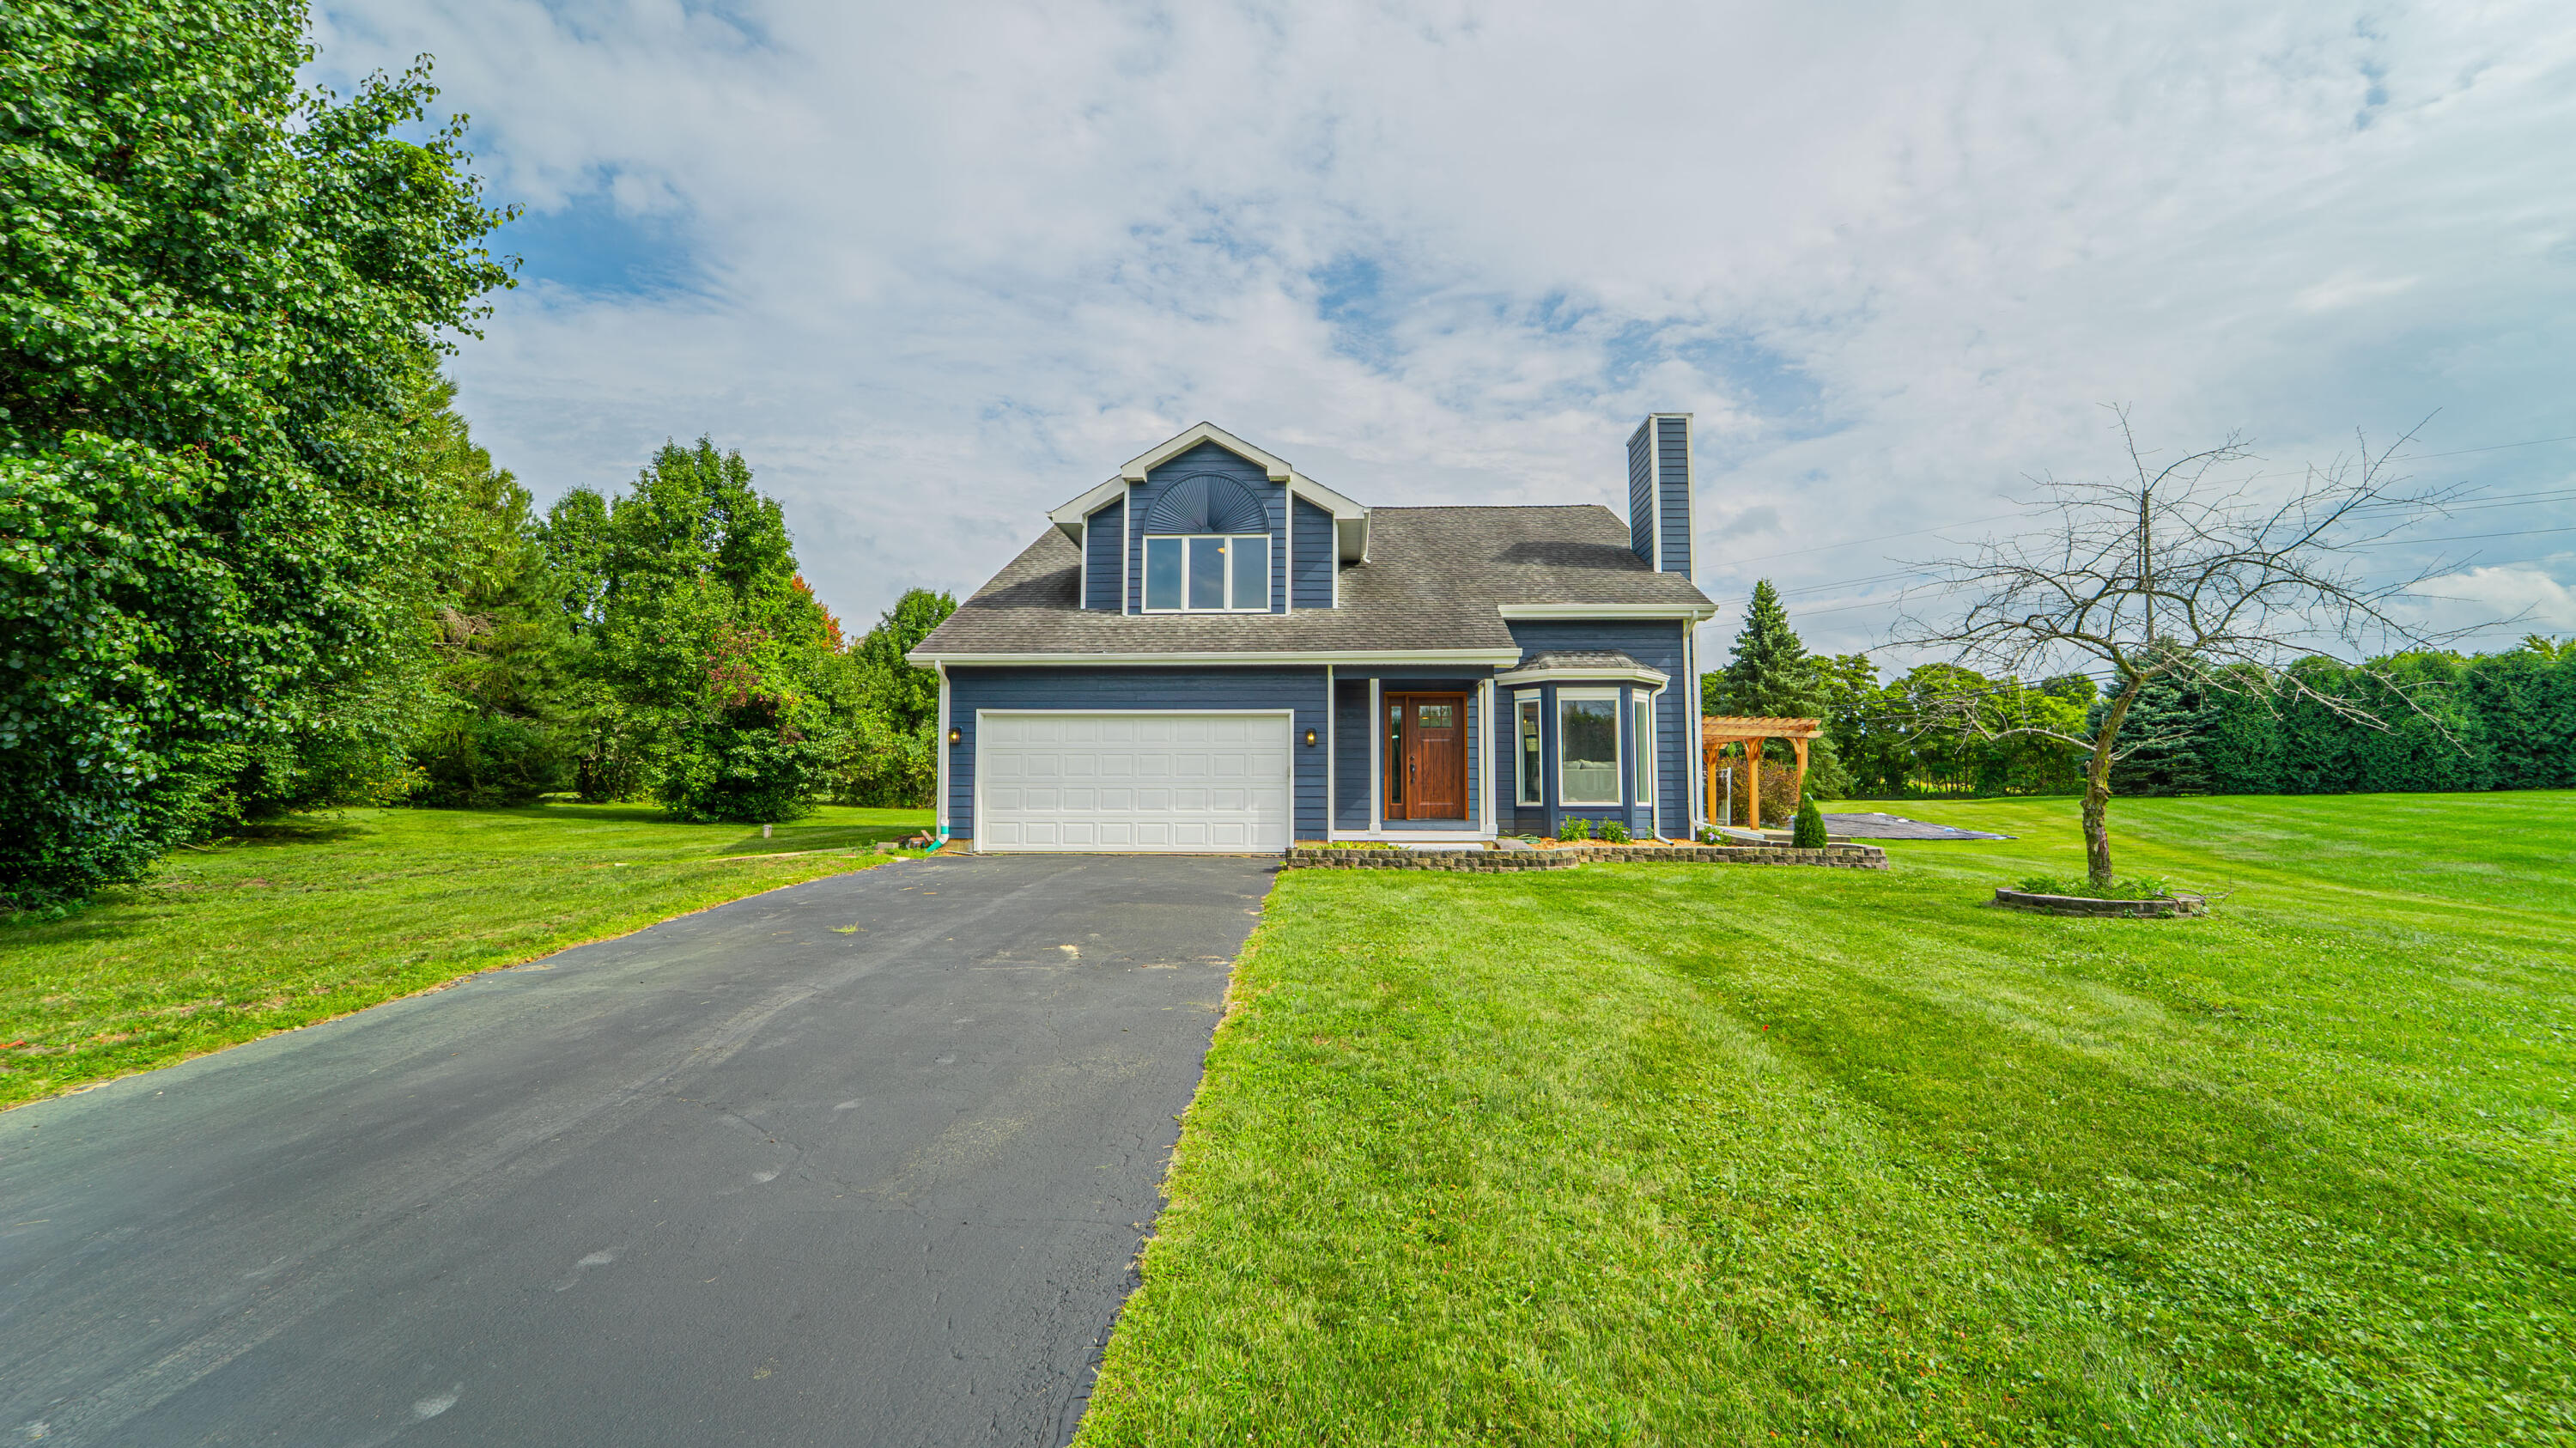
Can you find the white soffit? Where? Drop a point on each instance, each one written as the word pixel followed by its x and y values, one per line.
pixel 1350 520
pixel 1070 517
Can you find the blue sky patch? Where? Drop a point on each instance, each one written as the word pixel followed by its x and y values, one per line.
pixel 1350 295
pixel 588 247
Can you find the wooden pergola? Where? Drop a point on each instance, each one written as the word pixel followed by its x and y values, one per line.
pixel 1718 731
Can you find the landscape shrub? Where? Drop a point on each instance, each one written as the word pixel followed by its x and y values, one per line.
pixel 1779 791
pixel 1574 827
pixel 885 767
pixel 1808 831
pixel 1614 831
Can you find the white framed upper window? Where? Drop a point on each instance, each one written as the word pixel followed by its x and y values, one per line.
pixel 1207 573
pixel 1587 746
pixel 1528 760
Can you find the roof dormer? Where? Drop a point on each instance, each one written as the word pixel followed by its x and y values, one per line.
pixel 1350 520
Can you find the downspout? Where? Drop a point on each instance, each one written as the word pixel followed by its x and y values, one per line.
pixel 942 815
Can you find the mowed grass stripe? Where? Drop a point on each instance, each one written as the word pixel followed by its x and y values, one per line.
pixel 1691 1155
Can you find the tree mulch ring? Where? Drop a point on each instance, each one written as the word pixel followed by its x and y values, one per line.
pixel 2163 907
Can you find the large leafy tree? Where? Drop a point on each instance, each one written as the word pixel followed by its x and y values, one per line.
pixel 713 664
pixel 891 756
pixel 907 694
pixel 213 289
pixel 503 655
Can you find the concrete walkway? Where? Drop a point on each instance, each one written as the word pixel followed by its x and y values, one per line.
pixel 866 1161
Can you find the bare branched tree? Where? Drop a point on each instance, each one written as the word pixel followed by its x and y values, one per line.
pixel 2186 572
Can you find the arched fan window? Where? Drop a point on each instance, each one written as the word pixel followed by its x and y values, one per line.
pixel 1207 548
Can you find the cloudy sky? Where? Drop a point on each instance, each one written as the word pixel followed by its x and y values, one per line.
pixel 936 268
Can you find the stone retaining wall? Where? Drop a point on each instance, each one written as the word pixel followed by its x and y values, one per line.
pixel 2165 909
pixel 1481 861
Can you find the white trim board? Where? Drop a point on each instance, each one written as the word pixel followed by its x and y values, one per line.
pixel 1332 750
pixel 1073 514
pixel 1485 696
pixel 1651 678
pixel 1697 612
pixel 1470 657
pixel 1619 756
pixel 1376 737
pixel 1135 468
pixel 1531 699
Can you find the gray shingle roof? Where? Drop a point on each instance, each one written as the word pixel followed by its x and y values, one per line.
pixel 1589 660
pixel 1434 580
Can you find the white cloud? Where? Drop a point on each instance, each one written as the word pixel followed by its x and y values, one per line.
pixel 951 264
pixel 2531 597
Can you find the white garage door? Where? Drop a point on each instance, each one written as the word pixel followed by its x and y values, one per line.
pixel 1143 781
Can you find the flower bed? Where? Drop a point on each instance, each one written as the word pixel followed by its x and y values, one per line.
pixel 1476 859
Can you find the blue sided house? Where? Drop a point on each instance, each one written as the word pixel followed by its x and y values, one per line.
pixel 1213 652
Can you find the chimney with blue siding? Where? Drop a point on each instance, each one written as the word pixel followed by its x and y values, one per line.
pixel 1659 492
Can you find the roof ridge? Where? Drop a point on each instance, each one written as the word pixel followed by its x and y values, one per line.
pixel 1480 507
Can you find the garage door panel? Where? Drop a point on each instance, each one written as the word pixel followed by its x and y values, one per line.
pixel 1140 781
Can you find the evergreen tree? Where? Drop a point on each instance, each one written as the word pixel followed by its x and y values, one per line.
pixel 1769 671
pixel 2164 724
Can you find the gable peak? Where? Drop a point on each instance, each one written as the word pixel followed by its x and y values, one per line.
pixel 1137 467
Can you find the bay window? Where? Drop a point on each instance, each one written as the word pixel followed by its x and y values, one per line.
pixel 1533 788
pixel 1587 746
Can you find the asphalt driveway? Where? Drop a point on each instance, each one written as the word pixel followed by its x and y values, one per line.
pixel 865 1161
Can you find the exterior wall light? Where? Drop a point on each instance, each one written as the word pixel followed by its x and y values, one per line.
pixel 1310 738
pixel 956 736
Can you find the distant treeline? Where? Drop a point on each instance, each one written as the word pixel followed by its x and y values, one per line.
pixel 2492 721
pixel 2495 721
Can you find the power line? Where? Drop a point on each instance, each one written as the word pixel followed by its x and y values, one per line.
pixel 2496 447
pixel 2461 538
pixel 1999 517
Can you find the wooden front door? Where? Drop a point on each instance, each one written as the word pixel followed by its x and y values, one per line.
pixel 1426 756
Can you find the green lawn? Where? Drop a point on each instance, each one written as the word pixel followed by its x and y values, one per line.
pixel 325 914
pixel 1709 1154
